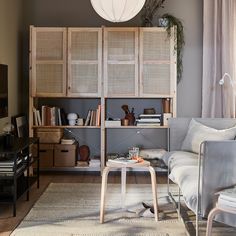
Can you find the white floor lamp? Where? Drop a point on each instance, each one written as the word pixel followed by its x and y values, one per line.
pixel 232 83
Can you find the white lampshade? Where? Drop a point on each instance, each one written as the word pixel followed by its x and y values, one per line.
pixel 117 10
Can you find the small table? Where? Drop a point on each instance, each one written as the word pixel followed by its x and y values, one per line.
pixel 123 166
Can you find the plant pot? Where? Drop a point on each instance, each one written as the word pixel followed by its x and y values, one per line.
pixel 163 22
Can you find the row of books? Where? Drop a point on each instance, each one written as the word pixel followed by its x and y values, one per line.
pixel 49 116
pixel 149 119
pixel 55 116
pixel 93 117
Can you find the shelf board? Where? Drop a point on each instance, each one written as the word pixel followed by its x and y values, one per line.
pixel 138 127
pixel 68 126
pixel 74 168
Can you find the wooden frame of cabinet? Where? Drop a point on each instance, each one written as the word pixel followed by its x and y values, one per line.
pixel 135 37
pixel 92 40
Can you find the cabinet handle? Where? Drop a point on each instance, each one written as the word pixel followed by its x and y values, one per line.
pixel 64 151
pixel 42 150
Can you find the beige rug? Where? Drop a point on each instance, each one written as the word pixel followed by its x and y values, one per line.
pixel 73 209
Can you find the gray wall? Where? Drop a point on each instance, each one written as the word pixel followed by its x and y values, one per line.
pixel 80 13
pixel 11 26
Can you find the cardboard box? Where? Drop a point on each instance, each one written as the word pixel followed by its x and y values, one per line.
pixel 65 155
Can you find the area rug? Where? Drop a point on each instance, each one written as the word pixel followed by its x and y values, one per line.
pixel 73 209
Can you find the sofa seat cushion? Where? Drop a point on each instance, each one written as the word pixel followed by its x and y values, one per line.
pixel 186 177
pixel 180 158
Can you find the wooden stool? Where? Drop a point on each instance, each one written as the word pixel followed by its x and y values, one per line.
pixel 110 165
pixel 214 212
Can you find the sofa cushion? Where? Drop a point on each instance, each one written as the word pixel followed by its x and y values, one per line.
pixel 152 153
pixel 197 133
pixel 186 177
pixel 180 158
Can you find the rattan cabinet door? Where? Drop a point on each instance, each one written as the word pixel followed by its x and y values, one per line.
pixel 48 58
pixel 121 62
pixel 157 63
pixel 84 62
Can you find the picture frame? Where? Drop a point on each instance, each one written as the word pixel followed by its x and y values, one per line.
pixel 20 123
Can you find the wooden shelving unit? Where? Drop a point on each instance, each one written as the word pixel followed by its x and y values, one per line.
pixel 101 63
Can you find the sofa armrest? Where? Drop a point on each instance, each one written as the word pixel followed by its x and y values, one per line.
pixel 217 170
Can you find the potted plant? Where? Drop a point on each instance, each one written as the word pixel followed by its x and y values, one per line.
pixel 149 10
pixel 169 21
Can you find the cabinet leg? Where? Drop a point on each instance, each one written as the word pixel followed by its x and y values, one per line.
pixel 14 209
pixel 14 196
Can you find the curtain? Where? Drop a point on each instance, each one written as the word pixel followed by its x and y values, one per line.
pixel 219 57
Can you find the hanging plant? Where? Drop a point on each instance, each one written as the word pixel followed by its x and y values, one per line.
pixel 179 40
pixel 149 10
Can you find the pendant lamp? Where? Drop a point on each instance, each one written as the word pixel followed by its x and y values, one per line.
pixel 117 10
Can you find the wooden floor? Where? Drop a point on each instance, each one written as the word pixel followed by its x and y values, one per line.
pixel 8 223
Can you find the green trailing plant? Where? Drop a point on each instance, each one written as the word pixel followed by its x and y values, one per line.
pixel 179 41
pixel 149 10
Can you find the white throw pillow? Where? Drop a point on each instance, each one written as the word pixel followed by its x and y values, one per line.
pixel 197 133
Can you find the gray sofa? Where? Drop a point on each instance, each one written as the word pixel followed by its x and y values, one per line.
pixel 200 175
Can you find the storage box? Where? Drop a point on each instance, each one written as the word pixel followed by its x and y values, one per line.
pixel 52 135
pixel 65 155
pixel 45 155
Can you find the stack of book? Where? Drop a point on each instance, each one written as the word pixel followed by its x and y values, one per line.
pixel 149 120
pixel 7 167
pixel 95 163
pixel 67 141
pixel 82 163
pixel 50 116
pixel 93 117
pixel 227 198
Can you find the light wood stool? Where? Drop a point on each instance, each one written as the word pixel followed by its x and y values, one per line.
pixel 218 209
pixel 110 165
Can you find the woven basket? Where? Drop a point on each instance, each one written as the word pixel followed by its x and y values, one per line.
pixel 53 135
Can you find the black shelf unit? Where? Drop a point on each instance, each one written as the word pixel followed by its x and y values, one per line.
pixel 15 163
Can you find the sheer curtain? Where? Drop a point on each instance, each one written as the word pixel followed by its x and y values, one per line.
pixel 219 57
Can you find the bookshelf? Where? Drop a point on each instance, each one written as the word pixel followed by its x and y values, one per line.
pixel 117 65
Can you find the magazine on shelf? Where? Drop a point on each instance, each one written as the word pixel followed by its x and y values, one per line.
pixel 122 160
pixel 149 115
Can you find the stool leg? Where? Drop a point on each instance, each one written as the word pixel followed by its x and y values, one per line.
pixel 103 192
pixel 123 186
pixel 154 191
pixel 211 216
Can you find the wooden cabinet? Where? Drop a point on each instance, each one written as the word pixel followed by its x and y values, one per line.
pixel 101 64
pixel 48 62
pixel 120 62
pixel 84 62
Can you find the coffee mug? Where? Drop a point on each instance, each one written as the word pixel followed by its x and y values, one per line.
pixel 79 122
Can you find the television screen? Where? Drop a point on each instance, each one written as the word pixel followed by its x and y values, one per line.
pixel 3 90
